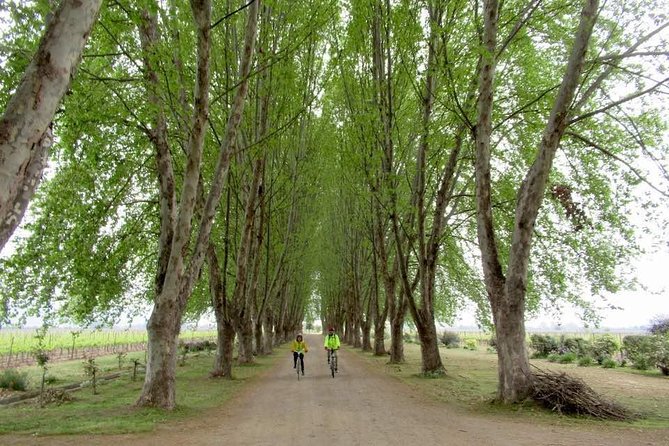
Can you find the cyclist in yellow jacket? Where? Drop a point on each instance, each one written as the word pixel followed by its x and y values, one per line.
pixel 331 342
pixel 299 348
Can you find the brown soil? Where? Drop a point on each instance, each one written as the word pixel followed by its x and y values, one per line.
pixel 358 407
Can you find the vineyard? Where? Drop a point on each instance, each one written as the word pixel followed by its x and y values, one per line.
pixel 17 347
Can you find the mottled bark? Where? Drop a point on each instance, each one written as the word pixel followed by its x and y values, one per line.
pixel 366 323
pixel 241 315
pixel 380 266
pixel 225 332
pixel 165 321
pixel 163 335
pixel 32 176
pixel 397 334
pixel 507 294
pixel 225 337
pixel 268 332
pixel 25 123
pixel 148 33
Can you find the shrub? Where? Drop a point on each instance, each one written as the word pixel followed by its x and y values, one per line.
pixel 543 345
pixel 585 361
pixel 135 364
pixel 576 345
pixel 660 353
pixel 121 357
pixel 604 347
pixel 197 346
pixel 50 380
pixel 567 358
pixel 638 349
pixel 408 339
pixel 492 343
pixel 13 380
pixel 92 371
pixel 450 339
pixel 553 357
pixel 608 363
pixel 659 326
pixel 471 344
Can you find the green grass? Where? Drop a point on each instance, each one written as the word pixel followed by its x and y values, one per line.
pixel 112 411
pixel 24 340
pixel 470 384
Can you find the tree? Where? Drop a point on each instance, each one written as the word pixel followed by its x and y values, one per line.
pixel 173 293
pixel 25 133
pixel 659 326
pixel 507 280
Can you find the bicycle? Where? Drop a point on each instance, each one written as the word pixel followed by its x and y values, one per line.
pixel 299 363
pixel 332 359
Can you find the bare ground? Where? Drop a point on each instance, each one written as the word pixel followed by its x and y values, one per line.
pixel 358 407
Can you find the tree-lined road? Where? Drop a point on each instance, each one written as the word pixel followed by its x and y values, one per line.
pixel 359 407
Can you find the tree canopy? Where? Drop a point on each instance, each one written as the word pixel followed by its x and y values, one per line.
pixel 349 161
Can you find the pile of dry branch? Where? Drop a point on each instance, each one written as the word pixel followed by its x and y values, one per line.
pixel 568 395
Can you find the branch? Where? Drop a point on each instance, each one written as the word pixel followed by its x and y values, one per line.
pixel 96 77
pixel 619 102
pixel 628 55
pixel 525 16
pixel 595 85
pixel 227 16
pixel 594 145
pixel 526 106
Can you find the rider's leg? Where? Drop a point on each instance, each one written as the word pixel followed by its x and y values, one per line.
pixel 302 362
pixel 294 359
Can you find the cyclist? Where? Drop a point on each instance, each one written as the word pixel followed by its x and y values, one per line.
pixel 331 342
pixel 299 348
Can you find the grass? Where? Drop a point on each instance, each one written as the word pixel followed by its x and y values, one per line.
pixel 111 411
pixel 470 384
pixel 24 340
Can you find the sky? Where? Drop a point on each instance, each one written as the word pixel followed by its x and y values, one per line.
pixel 635 308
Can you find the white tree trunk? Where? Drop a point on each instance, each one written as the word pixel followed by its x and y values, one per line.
pixel 31 109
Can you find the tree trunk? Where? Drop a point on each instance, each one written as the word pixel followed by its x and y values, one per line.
pixel 366 326
pixel 28 115
pixel 397 335
pixel 278 328
pixel 259 346
pixel 245 336
pixel 268 322
pixel 163 333
pixel 515 376
pixel 429 346
pixel 224 329
pixel 379 335
pixel 224 349
pixel 357 342
pixel 367 338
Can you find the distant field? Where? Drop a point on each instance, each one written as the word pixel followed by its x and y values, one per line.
pixel 16 346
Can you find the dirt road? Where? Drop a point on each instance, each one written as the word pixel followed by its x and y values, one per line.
pixel 358 407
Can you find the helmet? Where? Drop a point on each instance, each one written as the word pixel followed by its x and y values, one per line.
pixel 299 335
pixel 331 329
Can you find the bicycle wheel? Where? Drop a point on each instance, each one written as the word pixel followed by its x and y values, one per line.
pixel 333 364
